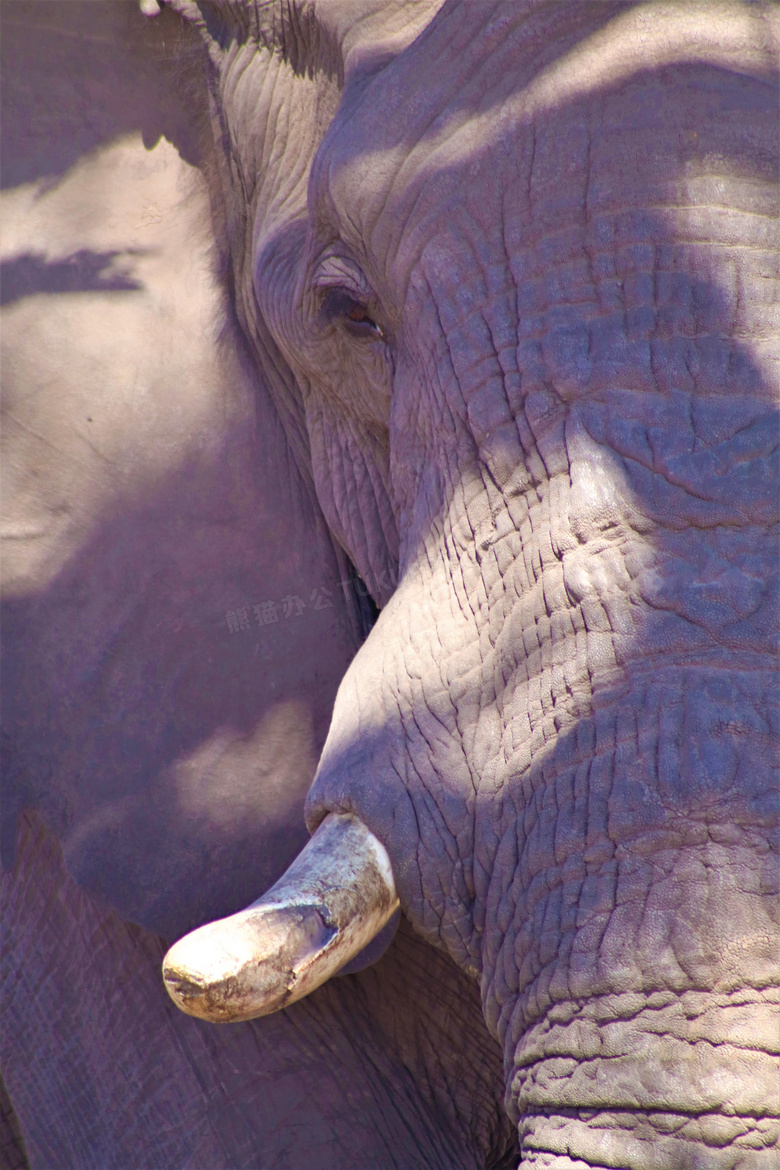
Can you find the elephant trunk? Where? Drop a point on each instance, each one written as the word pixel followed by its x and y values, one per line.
pixel 609 878
pixel 642 1029
pixel 333 900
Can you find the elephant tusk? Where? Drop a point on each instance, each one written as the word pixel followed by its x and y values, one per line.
pixel 332 901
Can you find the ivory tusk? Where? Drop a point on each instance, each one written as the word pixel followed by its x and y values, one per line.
pixel 332 901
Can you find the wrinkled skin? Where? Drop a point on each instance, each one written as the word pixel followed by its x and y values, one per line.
pixel 507 272
pixel 164 761
pixel 527 292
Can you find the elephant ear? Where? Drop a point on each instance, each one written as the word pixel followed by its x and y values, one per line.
pixel 176 618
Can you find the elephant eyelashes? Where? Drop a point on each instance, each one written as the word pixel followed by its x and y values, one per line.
pixel 338 305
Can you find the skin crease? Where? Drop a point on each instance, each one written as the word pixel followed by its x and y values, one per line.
pixel 551 460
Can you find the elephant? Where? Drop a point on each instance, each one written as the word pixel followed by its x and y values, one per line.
pixel 158 741
pixel 496 281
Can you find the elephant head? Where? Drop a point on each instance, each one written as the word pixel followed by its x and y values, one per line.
pixel 160 728
pixel 517 259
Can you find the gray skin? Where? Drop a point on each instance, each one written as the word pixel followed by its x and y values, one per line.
pixel 162 761
pixel 520 259
pixel 507 273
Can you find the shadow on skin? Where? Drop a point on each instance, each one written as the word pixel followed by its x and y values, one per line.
pixel 151 494
pixel 623 810
pixel 691 461
pixel 370 1070
pixel 49 123
pixel 171 756
pixel 110 657
pixel 84 271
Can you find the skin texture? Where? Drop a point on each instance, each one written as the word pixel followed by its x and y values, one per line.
pixel 507 272
pixel 162 760
pixel 548 448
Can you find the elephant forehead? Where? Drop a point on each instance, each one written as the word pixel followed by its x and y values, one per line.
pixel 477 81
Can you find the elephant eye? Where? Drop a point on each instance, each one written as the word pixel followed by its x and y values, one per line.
pixel 339 306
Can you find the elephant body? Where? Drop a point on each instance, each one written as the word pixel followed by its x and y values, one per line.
pixel 502 282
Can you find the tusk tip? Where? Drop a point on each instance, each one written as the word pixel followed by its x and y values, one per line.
pixel 245 966
pixel 211 1000
pixel 184 990
pixel 221 1001
pixel 336 897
